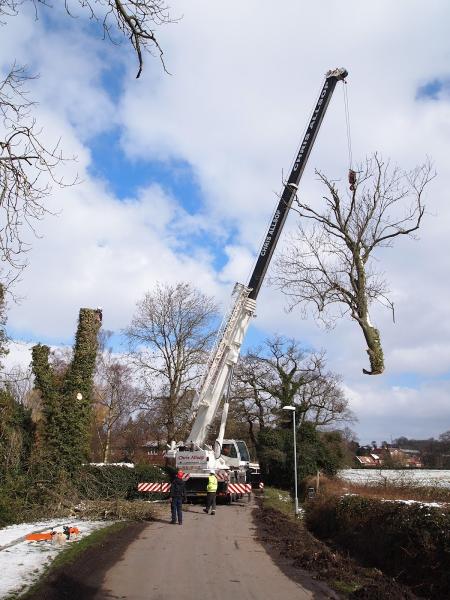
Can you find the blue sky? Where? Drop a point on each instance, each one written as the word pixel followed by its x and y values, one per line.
pixel 432 90
pixel 179 174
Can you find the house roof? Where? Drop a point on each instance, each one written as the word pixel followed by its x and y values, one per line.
pixel 366 460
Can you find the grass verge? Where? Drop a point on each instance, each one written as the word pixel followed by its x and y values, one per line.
pixel 279 500
pixel 69 556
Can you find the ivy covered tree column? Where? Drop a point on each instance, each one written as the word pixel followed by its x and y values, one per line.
pixel 66 399
pixel 52 445
pixel 77 386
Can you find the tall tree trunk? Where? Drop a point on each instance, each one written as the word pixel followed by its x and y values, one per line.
pixel 252 433
pixel 170 426
pixel 107 445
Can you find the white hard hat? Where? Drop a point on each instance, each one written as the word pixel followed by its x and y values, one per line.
pixel 212 472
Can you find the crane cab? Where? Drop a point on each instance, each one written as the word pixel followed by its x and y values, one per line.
pixel 235 453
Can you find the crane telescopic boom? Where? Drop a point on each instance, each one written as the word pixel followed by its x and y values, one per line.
pixel 226 351
pixel 291 186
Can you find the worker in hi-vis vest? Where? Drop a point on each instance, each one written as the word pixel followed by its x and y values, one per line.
pixel 211 490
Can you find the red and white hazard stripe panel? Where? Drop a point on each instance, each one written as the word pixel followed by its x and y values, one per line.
pixel 240 488
pixel 261 485
pixel 222 475
pixel 153 487
pixel 185 476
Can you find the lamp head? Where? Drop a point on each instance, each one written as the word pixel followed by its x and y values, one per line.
pixel 288 407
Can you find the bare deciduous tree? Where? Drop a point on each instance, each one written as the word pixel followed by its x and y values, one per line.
pixel 134 20
pixel 19 381
pixel 169 336
pixel 279 373
pixel 27 170
pixel 328 265
pixel 251 403
pixel 3 335
pixel 28 167
pixel 323 402
pixel 444 437
pixel 115 397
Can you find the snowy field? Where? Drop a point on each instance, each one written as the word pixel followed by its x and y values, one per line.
pixel 418 477
pixel 22 562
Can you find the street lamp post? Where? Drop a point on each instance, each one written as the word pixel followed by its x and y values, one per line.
pixel 292 409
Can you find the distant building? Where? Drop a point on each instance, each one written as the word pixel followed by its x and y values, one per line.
pixel 405 457
pixel 153 452
pixel 388 456
pixel 369 461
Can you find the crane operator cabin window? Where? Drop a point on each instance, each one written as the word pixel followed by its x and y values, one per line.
pixel 229 450
pixel 243 451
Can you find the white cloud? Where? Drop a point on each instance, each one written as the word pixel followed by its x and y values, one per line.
pixel 239 264
pixel 101 252
pixel 19 355
pixel 389 412
pixel 244 80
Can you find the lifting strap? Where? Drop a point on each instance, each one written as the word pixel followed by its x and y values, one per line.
pixel 351 172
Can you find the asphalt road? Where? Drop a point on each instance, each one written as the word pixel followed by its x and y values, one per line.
pixel 207 558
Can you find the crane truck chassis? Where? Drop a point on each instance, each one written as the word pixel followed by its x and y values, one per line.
pixel 230 459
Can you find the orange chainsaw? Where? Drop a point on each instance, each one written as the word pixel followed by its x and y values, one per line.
pixel 48 535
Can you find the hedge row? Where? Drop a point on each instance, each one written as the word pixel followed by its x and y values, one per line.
pixel 410 542
pixel 112 482
pixel 27 497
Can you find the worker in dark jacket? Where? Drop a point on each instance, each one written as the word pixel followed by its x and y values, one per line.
pixel 177 497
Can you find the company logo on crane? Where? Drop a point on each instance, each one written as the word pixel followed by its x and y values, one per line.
pixel 273 225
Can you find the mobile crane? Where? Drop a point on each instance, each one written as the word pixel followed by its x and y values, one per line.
pixel 229 459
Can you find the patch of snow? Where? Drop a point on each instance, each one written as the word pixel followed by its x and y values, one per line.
pixel 284 498
pixel 119 464
pixel 432 504
pixel 400 477
pixel 22 562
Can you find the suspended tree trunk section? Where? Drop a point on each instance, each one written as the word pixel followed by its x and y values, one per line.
pixel 361 309
pixel 374 350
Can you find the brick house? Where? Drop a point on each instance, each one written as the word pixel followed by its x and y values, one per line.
pixel 389 456
pixel 404 457
pixel 370 461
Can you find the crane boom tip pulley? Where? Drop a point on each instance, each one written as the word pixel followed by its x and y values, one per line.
pixel 339 73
